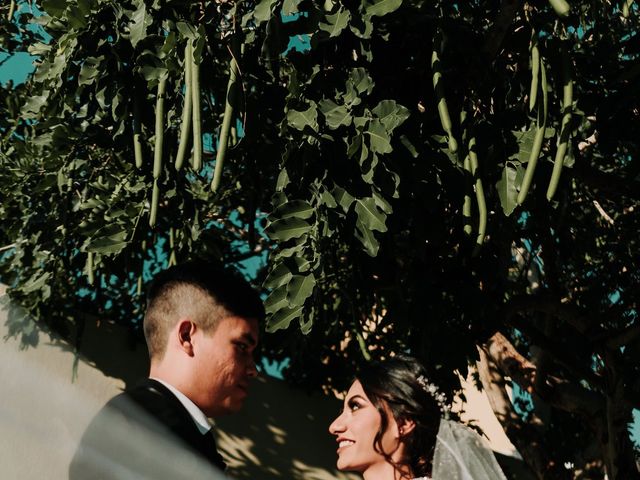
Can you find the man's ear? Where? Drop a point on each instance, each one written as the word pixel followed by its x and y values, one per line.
pixel 405 426
pixel 186 330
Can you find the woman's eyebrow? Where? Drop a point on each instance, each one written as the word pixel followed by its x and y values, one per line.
pixel 358 397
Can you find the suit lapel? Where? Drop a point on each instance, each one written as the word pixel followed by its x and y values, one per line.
pixel 160 402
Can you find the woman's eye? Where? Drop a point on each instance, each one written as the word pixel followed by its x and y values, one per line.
pixel 354 406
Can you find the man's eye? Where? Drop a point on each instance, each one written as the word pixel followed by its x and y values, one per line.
pixel 242 346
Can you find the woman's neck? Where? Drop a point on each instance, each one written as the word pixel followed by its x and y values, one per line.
pixel 386 471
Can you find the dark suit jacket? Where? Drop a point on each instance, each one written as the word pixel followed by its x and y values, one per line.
pixel 149 409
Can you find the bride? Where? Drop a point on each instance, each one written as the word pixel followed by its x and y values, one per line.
pixel 394 426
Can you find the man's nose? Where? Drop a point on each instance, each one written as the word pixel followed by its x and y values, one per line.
pixel 252 371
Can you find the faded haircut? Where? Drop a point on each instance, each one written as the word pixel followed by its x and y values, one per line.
pixel 203 292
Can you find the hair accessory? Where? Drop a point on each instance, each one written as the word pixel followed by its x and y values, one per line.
pixel 435 393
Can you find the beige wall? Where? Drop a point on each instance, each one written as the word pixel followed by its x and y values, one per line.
pixel 280 434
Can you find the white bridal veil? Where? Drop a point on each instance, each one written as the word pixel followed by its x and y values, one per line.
pixel 462 454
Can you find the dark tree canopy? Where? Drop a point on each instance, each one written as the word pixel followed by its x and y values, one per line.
pixel 459 180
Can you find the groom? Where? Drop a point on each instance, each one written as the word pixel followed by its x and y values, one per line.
pixel 201 328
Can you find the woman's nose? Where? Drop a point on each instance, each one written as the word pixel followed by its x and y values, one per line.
pixel 336 426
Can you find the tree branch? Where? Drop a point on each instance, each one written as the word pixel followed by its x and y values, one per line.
pixel 558 392
pixel 525 436
pixel 558 352
pixel 549 305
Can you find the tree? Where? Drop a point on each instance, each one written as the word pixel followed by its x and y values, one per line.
pixel 459 180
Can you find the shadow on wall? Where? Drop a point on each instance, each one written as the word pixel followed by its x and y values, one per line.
pixel 281 433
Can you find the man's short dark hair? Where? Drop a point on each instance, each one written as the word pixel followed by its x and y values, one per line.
pixel 205 292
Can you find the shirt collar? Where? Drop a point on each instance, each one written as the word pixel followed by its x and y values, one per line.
pixel 200 419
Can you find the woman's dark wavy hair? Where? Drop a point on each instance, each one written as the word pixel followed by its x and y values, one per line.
pixel 394 382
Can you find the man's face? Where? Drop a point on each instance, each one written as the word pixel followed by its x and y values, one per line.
pixel 224 365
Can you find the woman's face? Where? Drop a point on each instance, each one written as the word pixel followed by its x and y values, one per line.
pixel 355 430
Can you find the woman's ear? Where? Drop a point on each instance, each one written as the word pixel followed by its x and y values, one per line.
pixel 405 426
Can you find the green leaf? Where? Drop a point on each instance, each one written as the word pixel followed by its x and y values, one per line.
pixel 282 318
pixel 290 7
pixel 54 8
pixel 382 203
pixel 139 23
pixel 354 146
pixel 262 12
pixel 283 180
pixel 381 7
pixel 525 144
pixel 90 70
pixel 370 215
pixel 335 115
pixel 34 104
pixel 335 23
pixel 300 288
pixel 507 188
pixel 36 282
pixel 307 118
pixel 111 243
pixel 276 300
pixel 293 209
pixel 76 17
pixel 278 276
pixel 288 228
pixel 390 114
pixel 360 80
pixel 327 199
pixel 344 198
pixel 380 140
pixel 187 30
pixel 367 238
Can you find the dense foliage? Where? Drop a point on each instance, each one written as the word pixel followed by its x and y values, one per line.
pixel 455 179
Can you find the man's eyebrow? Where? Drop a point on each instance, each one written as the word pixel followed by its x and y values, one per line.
pixel 250 339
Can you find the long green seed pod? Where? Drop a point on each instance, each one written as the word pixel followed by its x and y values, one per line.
pixel 463 157
pixel 137 133
pixel 536 148
pixel 443 109
pixel 197 129
pixel 155 198
pixel 234 136
pixel 157 150
pixel 90 268
pixel 626 7
pixel 186 109
pixel 466 206
pixel 565 132
pixel 140 279
pixel 561 7
pixel 482 204
pixel 535 68
pixel 12 8
pixel 172 256
pixel 226 123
